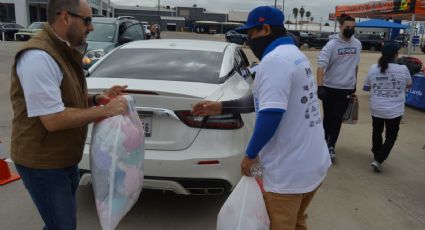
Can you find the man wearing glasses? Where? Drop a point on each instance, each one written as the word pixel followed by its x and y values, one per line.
pixel 51 111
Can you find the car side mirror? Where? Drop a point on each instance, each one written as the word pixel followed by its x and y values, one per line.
pixel 124 39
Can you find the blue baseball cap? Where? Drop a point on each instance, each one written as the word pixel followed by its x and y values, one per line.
pixel 260 16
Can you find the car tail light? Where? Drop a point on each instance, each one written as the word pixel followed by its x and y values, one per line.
pixel 224 121
pixel 211 162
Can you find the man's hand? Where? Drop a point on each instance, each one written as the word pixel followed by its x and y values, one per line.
pixel 321 92
pixel 205 108
pixel 110 94
pixel 116 106
pixel 246 165
pixel 114 91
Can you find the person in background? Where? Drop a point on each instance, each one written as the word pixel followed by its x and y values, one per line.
pixel 288 137
pixel 51 111
pixel 387 83
pixel 337 77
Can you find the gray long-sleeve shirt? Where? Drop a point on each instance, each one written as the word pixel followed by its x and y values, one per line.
pixel 339 59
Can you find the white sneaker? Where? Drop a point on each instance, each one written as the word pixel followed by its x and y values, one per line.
pixel 376 166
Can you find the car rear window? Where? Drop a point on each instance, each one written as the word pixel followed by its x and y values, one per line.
pixel 162 64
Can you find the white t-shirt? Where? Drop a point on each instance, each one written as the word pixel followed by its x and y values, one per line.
pixel 40 77
pixel 388 90
pixel 296 159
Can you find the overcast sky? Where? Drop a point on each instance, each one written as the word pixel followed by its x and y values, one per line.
pixel 316 7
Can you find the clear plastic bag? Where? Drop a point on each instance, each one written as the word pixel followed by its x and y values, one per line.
pixel 351 115
pixel 116 163
pixel 244 209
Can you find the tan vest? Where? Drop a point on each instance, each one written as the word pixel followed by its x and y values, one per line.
pixel 32 145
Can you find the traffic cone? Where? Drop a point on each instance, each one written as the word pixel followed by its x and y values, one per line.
pixel 5 175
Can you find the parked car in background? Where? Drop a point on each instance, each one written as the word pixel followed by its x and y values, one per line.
pixel 110 33
pixel 372 42
pixel 185 154
pixel 8 30
pixel 235 37
pixel 320 39
pixel 302 37
pixel 402 40
pixel 26 33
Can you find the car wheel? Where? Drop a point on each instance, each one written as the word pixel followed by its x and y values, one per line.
pixel 372 48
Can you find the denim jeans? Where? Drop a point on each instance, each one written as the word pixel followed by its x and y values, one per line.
pixel 53 192
pixel 381 149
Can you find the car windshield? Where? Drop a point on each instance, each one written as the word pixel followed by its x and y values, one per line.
pixel 162 64
pixel 36 25
pixel 103 32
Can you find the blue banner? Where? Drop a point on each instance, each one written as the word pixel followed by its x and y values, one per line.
pixel 415 96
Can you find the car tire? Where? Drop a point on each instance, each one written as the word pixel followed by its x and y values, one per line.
pixel 372 48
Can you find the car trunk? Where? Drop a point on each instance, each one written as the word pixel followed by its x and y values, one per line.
pixel 162 105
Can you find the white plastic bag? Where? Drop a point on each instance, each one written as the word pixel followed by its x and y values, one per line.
pixel 244 209
pixel 116 162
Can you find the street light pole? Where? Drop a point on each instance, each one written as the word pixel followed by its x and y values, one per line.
pixel 275 3
pixel 159 15
pixel 109 8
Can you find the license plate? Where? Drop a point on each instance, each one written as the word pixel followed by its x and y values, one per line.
pixel 147 124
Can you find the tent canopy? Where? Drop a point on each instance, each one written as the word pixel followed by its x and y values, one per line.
pixel 394 9
pixel 377 23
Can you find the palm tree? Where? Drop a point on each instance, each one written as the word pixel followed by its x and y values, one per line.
pixel 295 13
pixel 308 14
pixel 302 11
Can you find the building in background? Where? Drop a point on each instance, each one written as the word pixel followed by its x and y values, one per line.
pixel 25 12
pixel 237 16
pixel 178 18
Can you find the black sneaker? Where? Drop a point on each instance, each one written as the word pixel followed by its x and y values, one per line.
pixel 332 154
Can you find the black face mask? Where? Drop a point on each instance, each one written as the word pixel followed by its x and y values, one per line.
pixel 260 44
pixel 348 33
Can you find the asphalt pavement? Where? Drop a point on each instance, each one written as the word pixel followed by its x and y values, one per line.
pixel 352 197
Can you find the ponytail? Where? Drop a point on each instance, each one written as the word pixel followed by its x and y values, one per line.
pixel 384 61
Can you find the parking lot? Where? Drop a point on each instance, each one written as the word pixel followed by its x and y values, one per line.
pixel 353 197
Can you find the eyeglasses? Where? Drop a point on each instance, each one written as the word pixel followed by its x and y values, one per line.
pixel 87 20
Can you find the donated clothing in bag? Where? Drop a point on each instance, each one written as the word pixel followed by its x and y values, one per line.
pixel 245 208
pixel 116 162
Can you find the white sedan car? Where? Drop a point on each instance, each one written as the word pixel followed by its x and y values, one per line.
pixel 183 153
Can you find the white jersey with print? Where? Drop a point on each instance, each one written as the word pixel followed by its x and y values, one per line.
pixel 296 159
pixel 388 90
